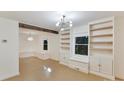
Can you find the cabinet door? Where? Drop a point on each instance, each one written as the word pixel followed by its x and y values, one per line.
pixel 106 65
pixel 64 57
pixel 94 63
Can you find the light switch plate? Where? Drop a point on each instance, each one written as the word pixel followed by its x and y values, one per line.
pixel 4 41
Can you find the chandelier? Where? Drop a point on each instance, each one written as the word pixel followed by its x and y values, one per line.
pixel 64 23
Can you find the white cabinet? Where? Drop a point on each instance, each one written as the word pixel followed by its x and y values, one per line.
pixel 78 65
pixel 64 57
pixel 94 63
pixel 101 64
pixel 106 65
pixel 101 40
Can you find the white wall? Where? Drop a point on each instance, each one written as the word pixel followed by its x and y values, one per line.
pixel 75 61
pixel 26 48
pixel 54 46
pixel 119 47
pixel 36 46
pixel 78 31
pixel 9 51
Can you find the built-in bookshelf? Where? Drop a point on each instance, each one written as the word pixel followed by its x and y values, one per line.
pixel 101 47
pixel 64 46
pixel 101 36
pixel 65 39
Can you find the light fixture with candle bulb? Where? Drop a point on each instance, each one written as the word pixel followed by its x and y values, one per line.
pixel 64 23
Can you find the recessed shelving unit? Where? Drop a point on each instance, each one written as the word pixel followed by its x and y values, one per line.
pixel 101 41
pixel 65 39
pixel 65 33
pixel 101 49
pixel 91 43
pixel 64 47
pixel 101 33
pixel 109 27
pixel 64 43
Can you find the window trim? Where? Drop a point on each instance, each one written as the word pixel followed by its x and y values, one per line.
pixel 45 44
pixel 79 44
pixel 78 57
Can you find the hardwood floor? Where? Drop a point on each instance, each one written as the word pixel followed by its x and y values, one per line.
pixel 31 69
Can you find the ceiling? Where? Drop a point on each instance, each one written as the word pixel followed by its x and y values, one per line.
pixel 48 19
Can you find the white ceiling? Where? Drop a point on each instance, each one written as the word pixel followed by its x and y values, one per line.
pixel 48 19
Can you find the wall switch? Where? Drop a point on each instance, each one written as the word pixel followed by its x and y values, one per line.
pixel 4 41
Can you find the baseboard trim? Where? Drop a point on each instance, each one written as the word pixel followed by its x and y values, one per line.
pixel 70 66
pixel 103 75
pixel 117 78
pixel 63 63
pixel 40 58
pixel 9 75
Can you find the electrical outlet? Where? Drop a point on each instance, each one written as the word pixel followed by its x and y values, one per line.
pixel 77 68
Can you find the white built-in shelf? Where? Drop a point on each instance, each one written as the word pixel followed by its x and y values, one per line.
pixel 102 28
pixel 64 43
pixel 65 47
pixel 109 21
pixel 101 49
pixel 103 42
pixel 102 32
pixel 102 35
pixel 66 33
pixel 65 38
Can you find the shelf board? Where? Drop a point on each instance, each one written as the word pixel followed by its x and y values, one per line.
pixel 102 28
pixel 102 35
pixel 101 22
pixel 65 47
pixel 65 43
pixel 65 33
pixel 65 38
pixel 102 42
pixel 101 49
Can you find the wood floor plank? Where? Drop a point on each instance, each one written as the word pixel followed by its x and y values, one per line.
pixel 31 69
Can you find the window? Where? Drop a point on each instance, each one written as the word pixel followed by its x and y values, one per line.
pixel 45 45
pixel 81 45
